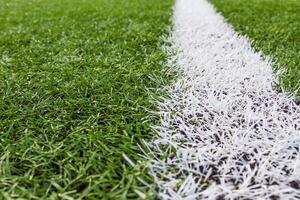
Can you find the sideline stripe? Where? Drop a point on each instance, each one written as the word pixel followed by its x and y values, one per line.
pixel 224 133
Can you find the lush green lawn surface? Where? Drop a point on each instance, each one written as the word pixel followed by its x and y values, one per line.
pixel 73 79
pixel 274 27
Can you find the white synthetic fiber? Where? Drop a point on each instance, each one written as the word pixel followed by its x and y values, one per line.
pixel 224 133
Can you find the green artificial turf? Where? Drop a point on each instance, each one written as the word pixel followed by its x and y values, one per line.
pixel 274 28
pixel 74 76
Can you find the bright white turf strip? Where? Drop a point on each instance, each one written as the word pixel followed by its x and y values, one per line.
pixel 225 133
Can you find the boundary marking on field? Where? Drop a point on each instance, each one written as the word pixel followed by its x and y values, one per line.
pixel 224 133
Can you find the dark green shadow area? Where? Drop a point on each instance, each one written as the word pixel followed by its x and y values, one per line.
pixel 73 79
pixel 274 27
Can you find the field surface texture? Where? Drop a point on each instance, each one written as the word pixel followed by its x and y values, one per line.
pixel 225 133
pixel 274 28
pixel 75 78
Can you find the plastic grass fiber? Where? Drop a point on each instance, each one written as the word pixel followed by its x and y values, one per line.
pixel 74 83
pixel 225 133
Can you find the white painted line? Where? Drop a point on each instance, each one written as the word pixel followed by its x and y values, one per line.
pixel 224 133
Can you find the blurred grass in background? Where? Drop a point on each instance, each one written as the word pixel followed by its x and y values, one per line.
pixel 274 28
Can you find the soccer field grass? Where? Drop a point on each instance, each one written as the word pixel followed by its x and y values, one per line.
pixel 77 81
pixel 75 76
pixel 273 27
